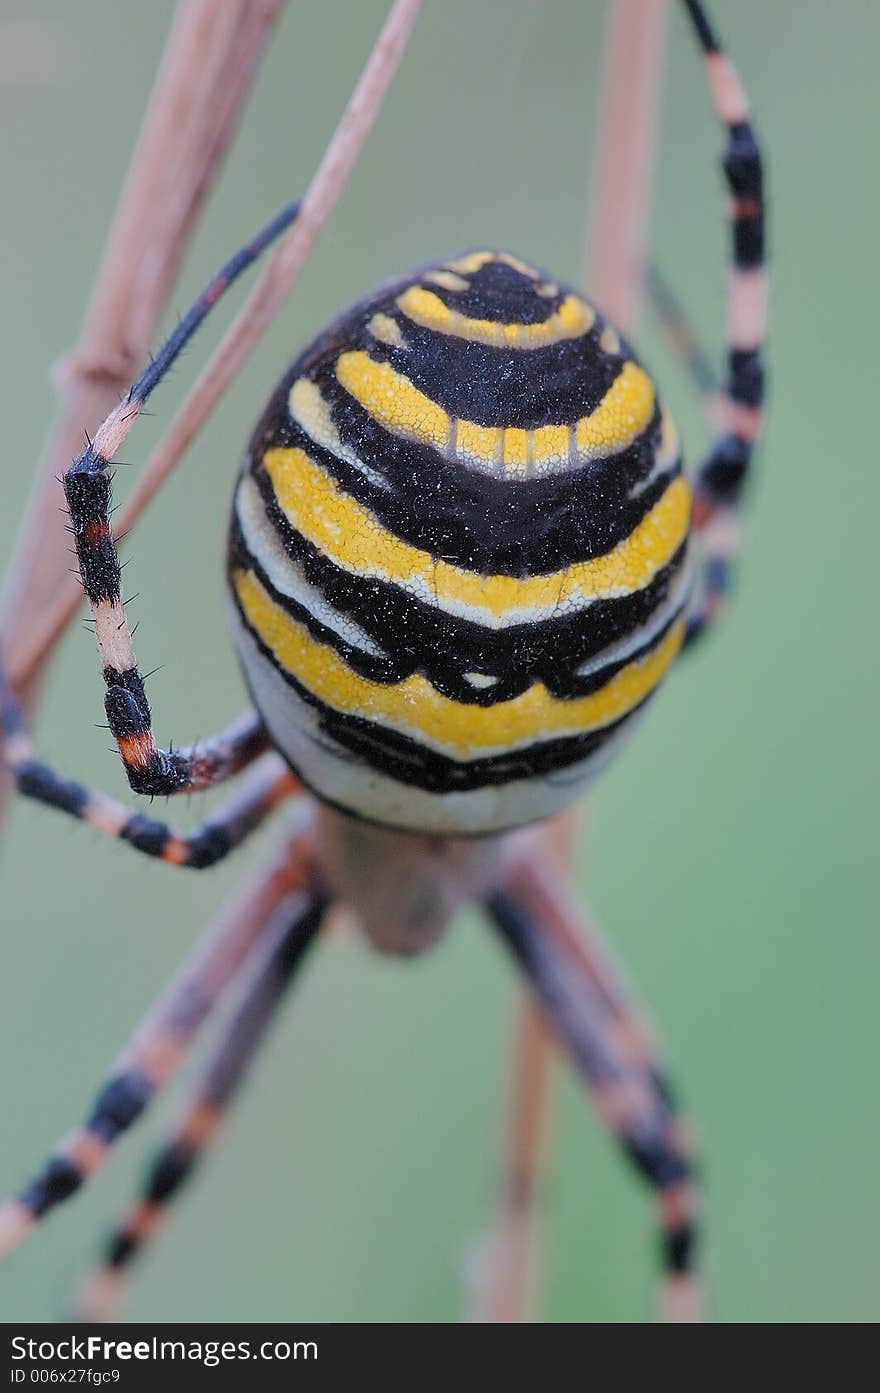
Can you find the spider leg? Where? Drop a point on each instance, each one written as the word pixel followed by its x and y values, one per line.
pixel 720 479
pixel 210 761
pixel 592 1014
pixel 87 490
pixel 292 931
pixel 162 1041
pixel 269 784
pixel 503 1278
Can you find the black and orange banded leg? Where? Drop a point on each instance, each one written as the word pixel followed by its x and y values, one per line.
pixel 720 479
pixel 593 1017
pixel 269 784
pixel 163 1040
pixel 294 928
pixel 87 484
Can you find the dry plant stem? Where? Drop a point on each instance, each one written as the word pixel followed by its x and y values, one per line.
pixel 622 160
pixel 268 295
pixel 623 156
pixel 164 1039
pixel 506 1278
pixel 620 184
pixel 212 57
pixel 210 61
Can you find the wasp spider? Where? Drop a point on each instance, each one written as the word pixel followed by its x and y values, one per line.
pixel 460 564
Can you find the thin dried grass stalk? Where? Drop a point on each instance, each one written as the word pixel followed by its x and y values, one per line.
pixel 622 161
pixel 505 1273
pixel 620 185
pixel 210 60
pixel 267 297
pixel 623 156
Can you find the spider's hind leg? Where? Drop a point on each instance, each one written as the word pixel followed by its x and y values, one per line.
pixel 165 1037
pixel 293 930
pixel 592 1013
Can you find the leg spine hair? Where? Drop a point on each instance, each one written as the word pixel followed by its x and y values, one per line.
pixel 590 1012
pixel 163 1040
pixel 722 476
pixel 292 931
pixel 87 489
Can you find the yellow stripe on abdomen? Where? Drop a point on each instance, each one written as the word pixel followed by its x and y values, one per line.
pixel 353 538
pixel 395 403
pixel 414 708
pixel 573 319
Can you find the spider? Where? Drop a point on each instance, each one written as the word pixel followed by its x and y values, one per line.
pixel 460 563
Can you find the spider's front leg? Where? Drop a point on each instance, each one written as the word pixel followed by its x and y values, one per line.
pixel 210 764
pixel 594 1017
pixel 150 770
pixel 87 485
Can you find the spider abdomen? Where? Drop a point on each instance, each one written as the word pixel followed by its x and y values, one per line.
pixel 458 550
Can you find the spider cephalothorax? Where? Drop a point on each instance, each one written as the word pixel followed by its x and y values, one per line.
pixel 458 549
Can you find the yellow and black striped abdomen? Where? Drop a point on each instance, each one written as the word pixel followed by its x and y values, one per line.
pixel 458 550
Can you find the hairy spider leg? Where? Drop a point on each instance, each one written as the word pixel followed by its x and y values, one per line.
pixel 87 485
pixel 162 1042
pixel 269 784
pixel 592 1013
pixel 292 931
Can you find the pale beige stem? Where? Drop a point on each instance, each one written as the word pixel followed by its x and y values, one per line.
pixel 208 67
pixel 505 1276
pixel 620 185
pixel 623 156
pixel 273 286
pixel 507 1281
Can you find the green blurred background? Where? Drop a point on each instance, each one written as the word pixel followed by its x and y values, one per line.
pixel 729 853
